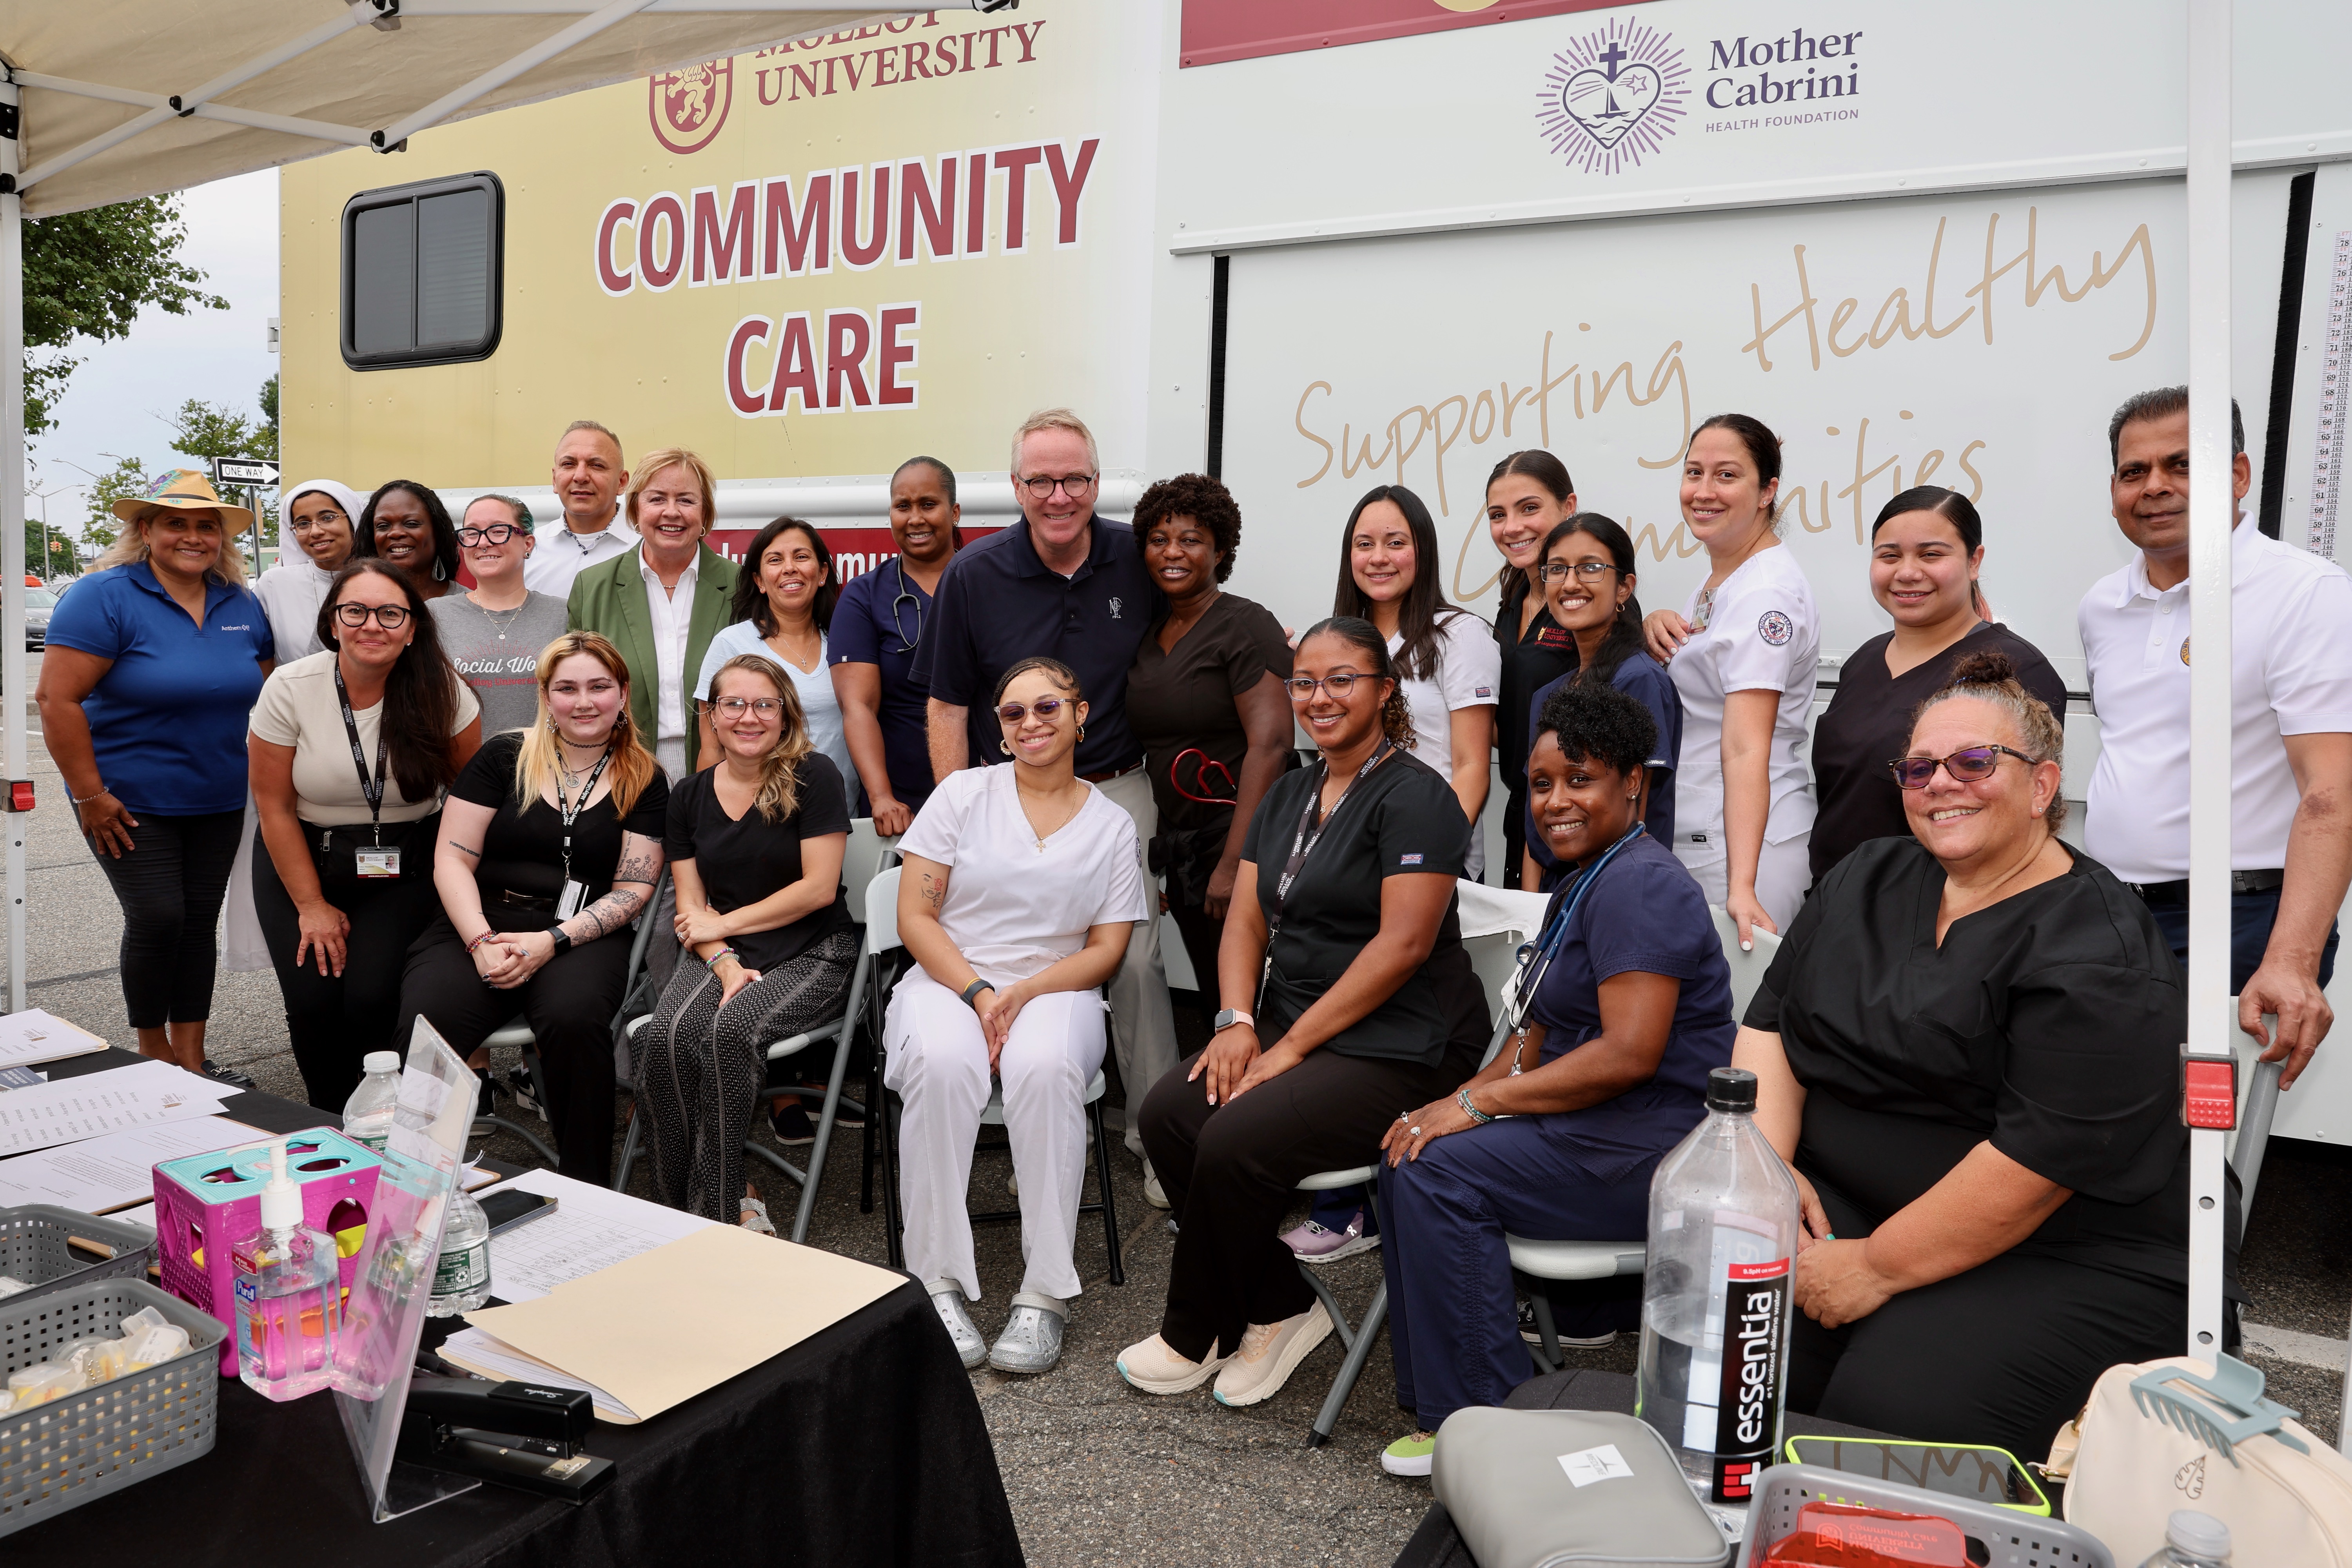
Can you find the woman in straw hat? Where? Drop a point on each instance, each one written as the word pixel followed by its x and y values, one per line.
pixel 152 664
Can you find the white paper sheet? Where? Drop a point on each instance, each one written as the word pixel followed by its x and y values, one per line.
pixel 36 1036
pixel 478 1350
pixel 117 1170
pixel 70 1110
pixel 593 1227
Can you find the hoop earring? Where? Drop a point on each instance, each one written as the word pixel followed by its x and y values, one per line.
pixel 1082 731
pixel 1005 746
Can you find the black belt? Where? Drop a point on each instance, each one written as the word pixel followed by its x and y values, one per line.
pixel 1106 774
pixel 512 899
pixel 2170 894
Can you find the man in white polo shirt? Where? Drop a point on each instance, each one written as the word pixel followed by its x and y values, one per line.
pixel 2290 728
pixel 589 478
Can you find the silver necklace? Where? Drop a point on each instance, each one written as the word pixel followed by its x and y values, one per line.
pixel 492 616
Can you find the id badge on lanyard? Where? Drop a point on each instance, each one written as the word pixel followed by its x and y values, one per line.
pixel 379 860
pixel 1302 844
pixel 575 894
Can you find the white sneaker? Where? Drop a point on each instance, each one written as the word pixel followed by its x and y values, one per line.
pixel 1155 1367
pixel 1270 1353
pixel 1153 1193
pixel 947 1299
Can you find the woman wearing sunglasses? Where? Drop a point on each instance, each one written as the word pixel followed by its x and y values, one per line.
pixel 1020 888
pixel 493 633
pixel 1205 697
pixel 318 522
pixel 346 883
pixel 877 626
pixel 1967 1048
pixel 1926 550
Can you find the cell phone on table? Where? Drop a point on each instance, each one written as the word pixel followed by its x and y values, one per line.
pixel 1955 1470
pixel 512 1207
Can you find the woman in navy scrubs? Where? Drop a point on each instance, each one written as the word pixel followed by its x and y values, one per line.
pixel 1629 1006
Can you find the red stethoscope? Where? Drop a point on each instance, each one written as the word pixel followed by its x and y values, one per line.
pixel 1202 779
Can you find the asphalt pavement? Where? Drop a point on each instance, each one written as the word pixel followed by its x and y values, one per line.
pixel 1098 1473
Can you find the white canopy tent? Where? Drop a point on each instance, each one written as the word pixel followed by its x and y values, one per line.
pixel 105 101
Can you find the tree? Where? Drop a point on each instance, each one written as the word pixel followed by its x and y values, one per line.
pixel 89 274
pixel 206 431
pixel 264 437
pixel 126 480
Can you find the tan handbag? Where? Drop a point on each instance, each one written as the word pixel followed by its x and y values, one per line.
pixel 2182 1434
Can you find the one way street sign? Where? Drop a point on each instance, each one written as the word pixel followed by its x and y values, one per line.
pixel 244 471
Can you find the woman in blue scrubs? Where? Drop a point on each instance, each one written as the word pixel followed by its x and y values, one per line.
pixel 1628 1005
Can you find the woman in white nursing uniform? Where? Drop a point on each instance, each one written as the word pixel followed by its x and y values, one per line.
pixel 1020 890
pixel 1743 654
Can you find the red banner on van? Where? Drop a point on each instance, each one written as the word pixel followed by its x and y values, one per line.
pixel 1220 30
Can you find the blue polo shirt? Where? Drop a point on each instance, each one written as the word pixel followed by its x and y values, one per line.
pixel 872 623
pixel 998 603
pixel 167 720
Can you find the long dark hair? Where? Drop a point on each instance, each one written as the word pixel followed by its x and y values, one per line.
pixel 1952 507
pixel 444 532
pixel 420 694
pixel 751 600
pixel 1396 714
pixel 1547 470
pixel 1624 638
pixel 1416 658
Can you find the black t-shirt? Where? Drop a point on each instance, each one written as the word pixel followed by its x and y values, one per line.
pixel 742 861
pixel 524 850
pixel 1401 818
pixel 2049 1024
pixel 1188 699
pixel 1868 724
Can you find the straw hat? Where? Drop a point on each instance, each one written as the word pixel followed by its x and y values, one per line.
pixel 182 489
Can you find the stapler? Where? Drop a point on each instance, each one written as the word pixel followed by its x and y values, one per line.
pixel 518 1434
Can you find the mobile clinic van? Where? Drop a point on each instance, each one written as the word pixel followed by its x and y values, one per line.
pixel 1314 244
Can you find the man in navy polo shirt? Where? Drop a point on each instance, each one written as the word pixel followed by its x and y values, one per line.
pixel 1066 584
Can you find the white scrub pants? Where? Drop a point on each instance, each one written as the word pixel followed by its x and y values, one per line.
pixel 1783 872
pixel 938 1065
pixel 1143 1021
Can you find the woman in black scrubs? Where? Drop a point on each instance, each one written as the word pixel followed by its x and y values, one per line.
pixel 1528 496
pixel 1926 550
pixel 1967 1047
pixel 1350 954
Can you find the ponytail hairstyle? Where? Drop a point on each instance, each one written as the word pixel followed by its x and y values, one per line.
pixel 1763 450
pixel 1624 638
pixel 420 694
pixel 1990 676
pixel 1396 715
pixel 1953 508
pixel 1548 472
pixel 1422 605
pixel 1062 675
pixel 779 794
pixel 633 766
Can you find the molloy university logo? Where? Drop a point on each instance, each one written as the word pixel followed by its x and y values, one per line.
pixel 688 107
pixel 1613 96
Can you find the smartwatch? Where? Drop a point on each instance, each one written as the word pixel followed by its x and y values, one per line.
pixel 562 937
pixel 974 989
pixel 1232 1015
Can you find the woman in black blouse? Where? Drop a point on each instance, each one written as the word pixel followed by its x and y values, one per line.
pixel 1967 1047
pixel 551 845
pixel 1350 954
pixel 1528 496
pixel 1205 697
pixel 755 847
pixel 1926 550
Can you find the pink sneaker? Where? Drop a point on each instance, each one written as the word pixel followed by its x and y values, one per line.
pixel 1315 1243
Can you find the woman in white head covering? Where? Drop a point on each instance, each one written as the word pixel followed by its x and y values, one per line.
pixel 320 521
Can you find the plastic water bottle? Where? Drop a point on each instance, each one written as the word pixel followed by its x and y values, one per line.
pixel 367 1115
pixel 2192 1540
pixel 462 1281
pixel 289 1295
pixel 1715 1295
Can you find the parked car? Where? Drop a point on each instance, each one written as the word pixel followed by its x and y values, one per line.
pixel 38 603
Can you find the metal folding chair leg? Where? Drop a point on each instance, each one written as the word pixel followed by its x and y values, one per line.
pixel 630 1140
pixel 1358 1340
pixel 1109 1203
pixel 1547 1357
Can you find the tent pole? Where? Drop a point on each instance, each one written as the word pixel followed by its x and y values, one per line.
pixel 2211 1020
pixel 14 693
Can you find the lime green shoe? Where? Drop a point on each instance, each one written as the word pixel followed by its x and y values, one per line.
pixel 1410 1455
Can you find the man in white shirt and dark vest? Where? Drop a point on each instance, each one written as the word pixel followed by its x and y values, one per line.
pixel 2290 728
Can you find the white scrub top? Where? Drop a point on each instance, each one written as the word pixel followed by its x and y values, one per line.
pixel 819 706
pixel 1761 634
pixel 1469 674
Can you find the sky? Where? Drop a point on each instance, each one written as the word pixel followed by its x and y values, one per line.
pixel 113 405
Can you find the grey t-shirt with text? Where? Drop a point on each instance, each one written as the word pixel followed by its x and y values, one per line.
pixel 497 652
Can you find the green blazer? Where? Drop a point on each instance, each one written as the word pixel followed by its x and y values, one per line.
pixel 609 599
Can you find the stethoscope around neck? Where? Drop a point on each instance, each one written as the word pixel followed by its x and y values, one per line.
pixel 1535 957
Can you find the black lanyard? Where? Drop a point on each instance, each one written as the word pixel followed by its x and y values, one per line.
pixel 1311 825
pixel 1535 958
pixel 373 789
pixel 568 812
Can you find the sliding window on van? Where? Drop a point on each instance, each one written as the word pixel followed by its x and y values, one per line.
pixel 422 268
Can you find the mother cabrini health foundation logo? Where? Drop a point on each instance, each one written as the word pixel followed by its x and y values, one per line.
pixel 688 107
pixel 1612 97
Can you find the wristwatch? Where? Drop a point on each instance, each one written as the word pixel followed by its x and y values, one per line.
pixel 974 989
pixel 562 937
pixel 1232 1015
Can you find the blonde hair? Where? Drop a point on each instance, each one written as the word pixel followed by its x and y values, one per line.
pixel 1990 676
pixel 1055 419
pixel 132 545
pixel 779 765
pixel 651 467
pixel 633 766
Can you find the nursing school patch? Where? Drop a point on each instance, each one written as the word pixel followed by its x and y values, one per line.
pixel 1776 628
pixel 1553 637
pixel 1408 860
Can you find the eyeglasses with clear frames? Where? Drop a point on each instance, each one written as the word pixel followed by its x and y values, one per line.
pixel 1553 571
pixel 305 525
pixel 1075 486
pixel 1338 683
pixel 736 707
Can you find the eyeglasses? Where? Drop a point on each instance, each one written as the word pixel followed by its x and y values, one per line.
pixel 496 533
pixel 1553 571
pixel 391 617
pixel 736 707
pixel 323 519
pixel 1046 708
pixel 1973 765
pixel 1073 485
pixel 1302 688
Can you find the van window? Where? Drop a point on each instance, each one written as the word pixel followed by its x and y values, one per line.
pixel 423 269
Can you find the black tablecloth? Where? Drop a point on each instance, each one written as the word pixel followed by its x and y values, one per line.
pixel 862 1443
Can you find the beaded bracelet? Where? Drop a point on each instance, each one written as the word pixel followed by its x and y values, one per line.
pixel 85 800
pixel 479 940
pixel 712 961
pixel 1462 1098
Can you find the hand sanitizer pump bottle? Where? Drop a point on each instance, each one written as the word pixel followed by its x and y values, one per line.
pixel 289 1295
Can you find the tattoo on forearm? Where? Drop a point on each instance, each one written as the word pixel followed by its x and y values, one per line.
pixel 935 890
pixel 611 912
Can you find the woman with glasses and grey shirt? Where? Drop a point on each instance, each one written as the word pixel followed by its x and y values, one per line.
pixel 493 633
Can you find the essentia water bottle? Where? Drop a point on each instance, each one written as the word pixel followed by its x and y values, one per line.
pixel 1715 1298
